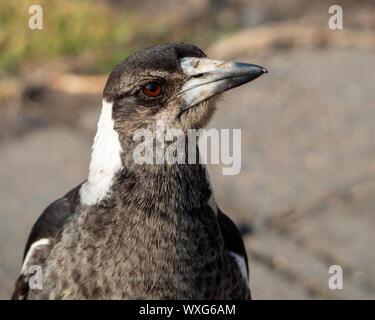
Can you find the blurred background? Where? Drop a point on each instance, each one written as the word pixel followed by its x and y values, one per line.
pixel 306 194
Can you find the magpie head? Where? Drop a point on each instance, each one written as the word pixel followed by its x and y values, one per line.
pixel 174 83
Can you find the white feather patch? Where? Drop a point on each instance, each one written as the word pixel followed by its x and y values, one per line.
pixel 241 264
pixel 30 252
pixel 105 159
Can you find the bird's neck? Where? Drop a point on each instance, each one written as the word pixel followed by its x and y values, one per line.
pixel 163 188
pixel 113 174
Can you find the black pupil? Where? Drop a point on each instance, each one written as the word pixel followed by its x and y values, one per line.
pixel 152 87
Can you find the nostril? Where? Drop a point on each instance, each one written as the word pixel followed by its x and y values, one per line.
pixel 198 75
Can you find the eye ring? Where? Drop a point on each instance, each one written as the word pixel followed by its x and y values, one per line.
pixel 152 89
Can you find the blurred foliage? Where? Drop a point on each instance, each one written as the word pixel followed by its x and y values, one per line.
pixel 74 27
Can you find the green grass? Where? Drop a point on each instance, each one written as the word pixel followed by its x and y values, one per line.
pixel 69 28
pixel 74 27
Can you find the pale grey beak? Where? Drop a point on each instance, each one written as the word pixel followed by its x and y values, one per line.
pixel 207 77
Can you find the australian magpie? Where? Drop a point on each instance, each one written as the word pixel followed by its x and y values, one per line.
pixel 144 231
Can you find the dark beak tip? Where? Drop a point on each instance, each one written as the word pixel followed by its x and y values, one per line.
pixel 264 70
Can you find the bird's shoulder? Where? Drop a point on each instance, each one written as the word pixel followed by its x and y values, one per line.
pixel 53 218
pixel 233 241
pixel 42 236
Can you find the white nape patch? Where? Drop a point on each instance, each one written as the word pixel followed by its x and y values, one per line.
pixel 241 264
pixel 41 242
pixel 105 159
pixel 211 200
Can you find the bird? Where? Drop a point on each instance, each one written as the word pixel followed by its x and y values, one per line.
pixel 144 231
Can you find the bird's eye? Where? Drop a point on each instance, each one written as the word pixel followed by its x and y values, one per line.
pixel 152 89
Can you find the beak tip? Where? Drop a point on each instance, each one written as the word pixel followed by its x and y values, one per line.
pixel 264 70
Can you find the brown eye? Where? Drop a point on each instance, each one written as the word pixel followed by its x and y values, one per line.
pixel 152 89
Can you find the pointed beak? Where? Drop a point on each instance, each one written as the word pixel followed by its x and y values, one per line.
pixel 207 77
